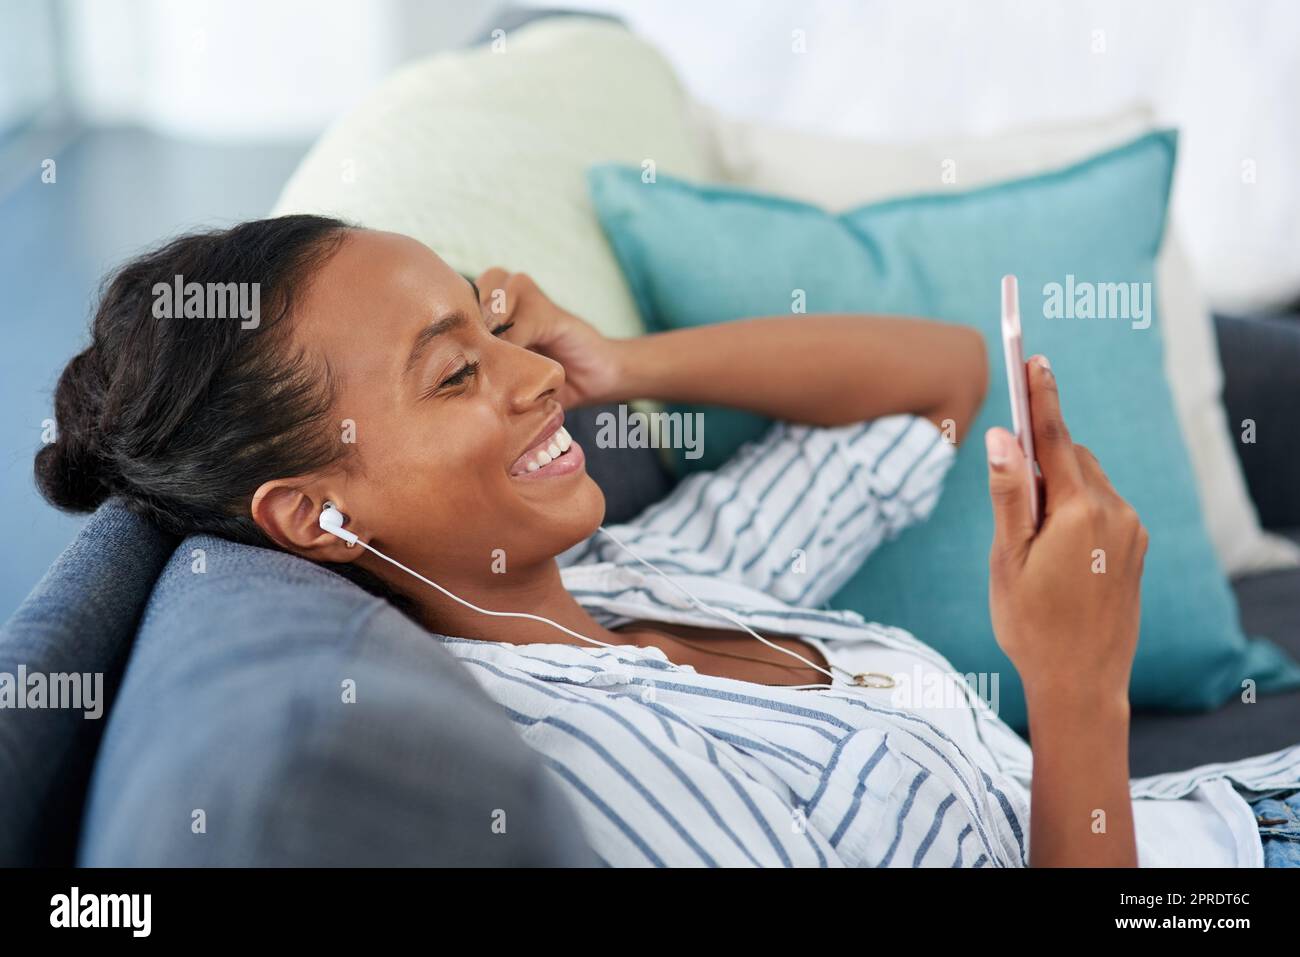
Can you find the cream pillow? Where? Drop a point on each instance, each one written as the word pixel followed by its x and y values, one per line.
pixel 839 174
pixel 481 154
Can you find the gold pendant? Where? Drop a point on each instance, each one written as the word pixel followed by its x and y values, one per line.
pixel 873 679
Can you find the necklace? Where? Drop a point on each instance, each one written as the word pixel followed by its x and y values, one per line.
pixel 863 679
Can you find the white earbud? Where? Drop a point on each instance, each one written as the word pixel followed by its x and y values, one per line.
pixel 331 520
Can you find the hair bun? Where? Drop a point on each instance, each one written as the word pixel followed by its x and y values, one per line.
pixel 73 472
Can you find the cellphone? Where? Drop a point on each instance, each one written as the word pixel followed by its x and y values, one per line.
pixel 1018 383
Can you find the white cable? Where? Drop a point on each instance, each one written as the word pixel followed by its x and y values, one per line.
pixel 702 605
pixel 487 611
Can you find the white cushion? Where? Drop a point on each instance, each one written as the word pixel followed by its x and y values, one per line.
pixel 481 154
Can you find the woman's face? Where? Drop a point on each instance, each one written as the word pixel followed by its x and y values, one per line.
pixel 440 406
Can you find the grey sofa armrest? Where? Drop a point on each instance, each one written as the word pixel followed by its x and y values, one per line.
pixel 80 620
pixel 273 714
pixel 1261 369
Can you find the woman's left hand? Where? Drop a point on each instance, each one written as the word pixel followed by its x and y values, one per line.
pixel 590 360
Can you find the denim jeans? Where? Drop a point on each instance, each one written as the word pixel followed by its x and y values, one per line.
pixel 1278 815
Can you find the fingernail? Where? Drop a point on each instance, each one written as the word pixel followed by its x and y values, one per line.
pixel 995 444
pixel 1046 366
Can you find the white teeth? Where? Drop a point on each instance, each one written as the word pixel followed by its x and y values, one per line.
pixel 560 442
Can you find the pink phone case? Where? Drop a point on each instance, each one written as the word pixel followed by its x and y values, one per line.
pixel 1013 350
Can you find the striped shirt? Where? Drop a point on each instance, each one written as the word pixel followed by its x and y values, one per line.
pixel 669 767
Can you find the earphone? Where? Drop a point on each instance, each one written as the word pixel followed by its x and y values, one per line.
pixel 333 522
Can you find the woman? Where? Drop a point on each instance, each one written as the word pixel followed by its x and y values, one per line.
pixel 429 411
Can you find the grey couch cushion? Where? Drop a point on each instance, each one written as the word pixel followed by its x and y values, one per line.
pixel 232 744
pixel 80 618
pixel 1270 605
pixel 1260 357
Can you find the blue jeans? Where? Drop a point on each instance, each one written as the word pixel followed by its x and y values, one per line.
pixel 1278 815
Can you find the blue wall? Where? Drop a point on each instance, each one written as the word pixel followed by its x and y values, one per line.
pixel 116 193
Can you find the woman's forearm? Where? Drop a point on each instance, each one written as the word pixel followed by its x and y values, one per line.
pixel 1081 814
pixel 820 370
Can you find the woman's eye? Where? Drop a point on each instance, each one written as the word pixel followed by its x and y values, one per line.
pixel 461 375
pixel 468 370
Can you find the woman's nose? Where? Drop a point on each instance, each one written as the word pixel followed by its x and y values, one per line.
pixel 537 377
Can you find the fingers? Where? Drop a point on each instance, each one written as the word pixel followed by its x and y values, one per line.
pixel 1009 491
pixel 1094 476
pixel 1123 517
pixel 502 292
pixel 492 290
pixel 491 278
pixel 1053 446
pixel 1100 486
pixel 507 297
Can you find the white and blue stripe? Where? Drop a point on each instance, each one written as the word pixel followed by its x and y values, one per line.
pixel 668 767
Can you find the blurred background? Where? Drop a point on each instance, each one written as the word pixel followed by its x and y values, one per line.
pixel 123 122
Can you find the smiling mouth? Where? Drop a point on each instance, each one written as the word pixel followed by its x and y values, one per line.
pixel 555 448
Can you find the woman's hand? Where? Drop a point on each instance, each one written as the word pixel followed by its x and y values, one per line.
pixel 825 370
pixel 591 361
pixel 1064 598
pixel 1065 604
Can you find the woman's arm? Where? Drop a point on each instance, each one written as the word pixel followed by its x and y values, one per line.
pixel 1081 814
pixel 821 370
pixel 1065 605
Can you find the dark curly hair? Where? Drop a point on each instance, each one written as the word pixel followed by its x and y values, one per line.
pixel 183 418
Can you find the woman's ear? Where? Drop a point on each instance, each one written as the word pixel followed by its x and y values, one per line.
pixel 291 519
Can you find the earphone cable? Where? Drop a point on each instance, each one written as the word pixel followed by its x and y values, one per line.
pixel 704 606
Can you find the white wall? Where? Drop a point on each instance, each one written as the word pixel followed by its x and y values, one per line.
pixel 28 73
pixel 246 69
pixel 1226 72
